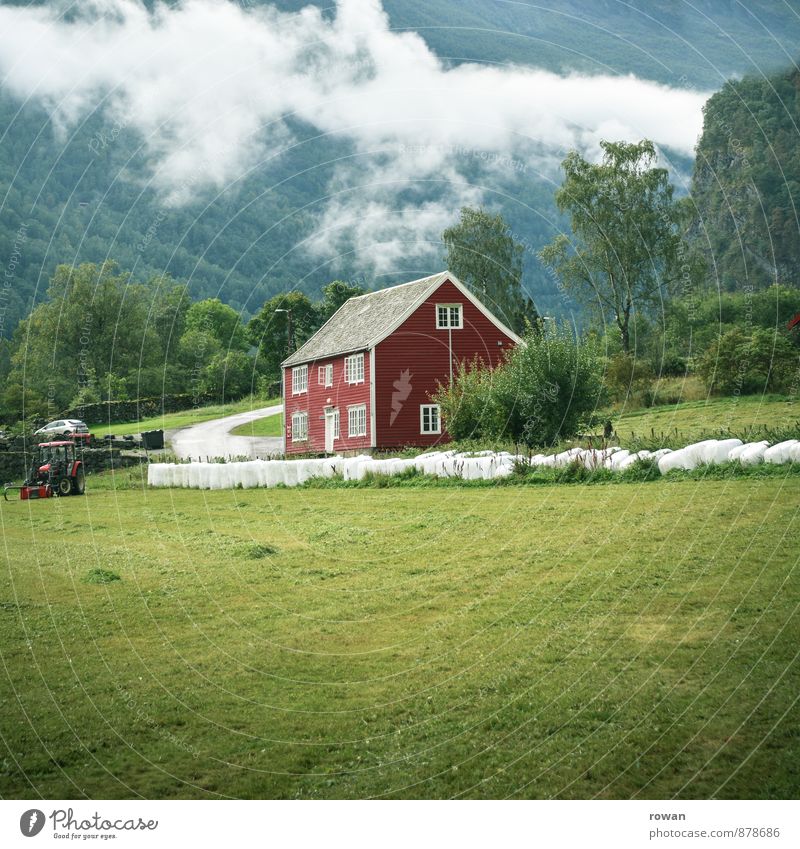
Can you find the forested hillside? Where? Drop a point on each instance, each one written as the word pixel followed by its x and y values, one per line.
pixel 699 43
pixel 747 182
pixel 81 192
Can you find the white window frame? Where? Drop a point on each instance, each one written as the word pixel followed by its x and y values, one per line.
pixel 448 325
pixel 299 426
pixel 325 375
pixel 354 369
pixel 357 420
pixel 299 380
pixel 336 434
pixel 423 408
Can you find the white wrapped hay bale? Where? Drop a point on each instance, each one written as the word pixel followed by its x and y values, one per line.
pixel 718 450
pixel 503 470
pixel 625 462
pixel 753 453
pixel 566 457
pixel 425 464
pixel 736 451
pixel 780 453
pixel 595 458
pixel 680 459
pixel 662 452
pixel 794 453
pixel 696 451
pixel 156 473
pixel 615 460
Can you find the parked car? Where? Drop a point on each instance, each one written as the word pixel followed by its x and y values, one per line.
pixel 62 427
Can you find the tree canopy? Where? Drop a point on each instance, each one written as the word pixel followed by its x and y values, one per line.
pixel 483 254
pixel 625 224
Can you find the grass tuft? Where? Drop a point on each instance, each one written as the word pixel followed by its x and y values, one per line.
pixel 101 576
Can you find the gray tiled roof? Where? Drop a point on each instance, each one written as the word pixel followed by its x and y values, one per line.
pixel 361 321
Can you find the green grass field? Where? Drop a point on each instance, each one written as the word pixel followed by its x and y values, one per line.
pixel 696 418
pixel 268 426
pixel 553 641
pixel 184 418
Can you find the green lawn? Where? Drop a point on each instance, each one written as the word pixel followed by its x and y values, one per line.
pixel 552 641
pixel 693 419
pixel 268 426
pixel 183 418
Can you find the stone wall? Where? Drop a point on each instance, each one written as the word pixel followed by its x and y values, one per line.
pixel 14 465
pixel 141 408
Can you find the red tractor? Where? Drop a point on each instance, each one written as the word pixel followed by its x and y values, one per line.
pixel 54 472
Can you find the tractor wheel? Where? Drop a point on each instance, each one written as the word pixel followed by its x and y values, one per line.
pixel 64 486
pixel 79 482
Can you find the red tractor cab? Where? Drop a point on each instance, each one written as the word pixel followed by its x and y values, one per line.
pixel 55 471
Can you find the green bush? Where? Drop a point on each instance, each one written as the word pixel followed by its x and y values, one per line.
pixel 628 376
pixel 543 393
pixel 741 364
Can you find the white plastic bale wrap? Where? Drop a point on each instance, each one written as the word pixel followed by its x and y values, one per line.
pixel 680 459
pixel 566 457
pixel 625 462
pixel 503 470
pixel 736 451
pixel 753 453
pixel 481 465
pixel 780 453
pixel 718 450
pixel 794 453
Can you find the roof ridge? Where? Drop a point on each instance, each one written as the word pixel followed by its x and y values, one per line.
pixel 363 323
pixel 398 286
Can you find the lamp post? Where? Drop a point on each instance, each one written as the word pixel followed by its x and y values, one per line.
pixel 283 376
pixel 288 331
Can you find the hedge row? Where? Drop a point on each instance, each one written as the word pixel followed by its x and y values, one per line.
pixel 119 412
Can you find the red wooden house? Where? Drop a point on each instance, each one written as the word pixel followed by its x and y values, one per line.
pixel 364 380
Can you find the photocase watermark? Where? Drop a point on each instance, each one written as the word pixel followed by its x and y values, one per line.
pixel 11 272
pixel 104 138
pixel 488 156
pixel 66 824
pixel 151 231
pixel 31 822
pixel 402 389
pixel 164 733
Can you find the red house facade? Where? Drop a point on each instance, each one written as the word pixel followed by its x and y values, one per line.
pixel 365 379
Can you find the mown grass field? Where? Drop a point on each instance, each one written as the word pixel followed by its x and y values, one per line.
pixel 171 421
pixel 268 426
pixel 635 640
pixel 696 418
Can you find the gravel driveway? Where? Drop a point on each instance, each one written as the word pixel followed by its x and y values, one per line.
pixel 213 439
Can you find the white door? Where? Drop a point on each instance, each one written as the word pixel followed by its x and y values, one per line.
pixel 329 430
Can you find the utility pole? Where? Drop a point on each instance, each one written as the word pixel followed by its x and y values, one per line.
pixel 288 331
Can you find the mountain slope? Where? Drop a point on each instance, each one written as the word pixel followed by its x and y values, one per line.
pixel 82 194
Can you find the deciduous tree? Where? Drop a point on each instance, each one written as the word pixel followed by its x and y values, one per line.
pixel 625 241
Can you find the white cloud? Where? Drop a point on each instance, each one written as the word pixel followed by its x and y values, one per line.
pixel 208 84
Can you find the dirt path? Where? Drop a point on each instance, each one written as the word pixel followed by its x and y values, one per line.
pixel 214 439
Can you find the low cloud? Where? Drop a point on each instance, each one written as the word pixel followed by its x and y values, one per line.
pixel 210 85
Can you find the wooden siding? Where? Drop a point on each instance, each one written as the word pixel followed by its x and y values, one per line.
pixel 342 395
pixel 418 349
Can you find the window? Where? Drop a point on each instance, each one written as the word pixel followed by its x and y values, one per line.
pixel 299 380
pixel 429 421
pixel 448 316
pixel 354 368
pixel 357 420
pixel 335 424
pixel 299 427
pixel 325 375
